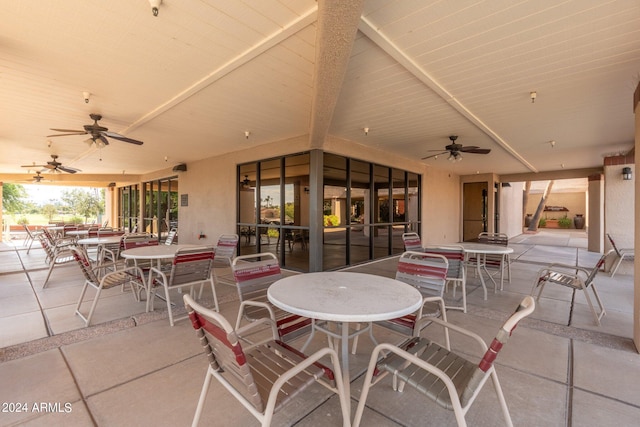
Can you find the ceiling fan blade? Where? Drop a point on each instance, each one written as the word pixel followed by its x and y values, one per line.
pixel 475 150
pixel 122 138
pixel 104 140
pixel 34 166
pixel 68 169
pixel 67 130
pixel 66 134
pixel 434 155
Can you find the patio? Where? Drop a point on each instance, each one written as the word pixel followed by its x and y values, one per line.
pixel 132 368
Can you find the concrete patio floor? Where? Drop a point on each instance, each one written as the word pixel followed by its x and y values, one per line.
pixel 132 368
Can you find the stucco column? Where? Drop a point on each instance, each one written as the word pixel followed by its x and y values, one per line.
pixel 1 207
pixel 596 213
pixel 636 266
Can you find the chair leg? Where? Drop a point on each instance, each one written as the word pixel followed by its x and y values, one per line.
pixel 203 396
pixel 51 265
pixel 166 295
pixel 593 309
pixel 613 271
pixel 503 402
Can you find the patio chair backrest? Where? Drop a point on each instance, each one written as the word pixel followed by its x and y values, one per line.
pixel 613 244
pixel 104 233
pixel 171 236
pixel 85 265
pixel 426 271
pixel 254 274
pixel 131 241
pixel 600 264
pixel 226 249
pixel 46 244
pixel 191 265
pixel 454 256
pixel 412 242
pixel 493 239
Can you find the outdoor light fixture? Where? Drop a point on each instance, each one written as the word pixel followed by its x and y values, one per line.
pixel 534 95
pixel 366 131
pixel 626 174
pixel 154 6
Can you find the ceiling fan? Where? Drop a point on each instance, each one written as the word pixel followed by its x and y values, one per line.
pixel 54 166
pixel 98 133
pixel 36 178
pixel 454 150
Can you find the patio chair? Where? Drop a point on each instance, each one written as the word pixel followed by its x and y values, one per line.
pixel 456 272
pixel 130 241
pixel 31 237
pixel 253 275
pixel 132 276
pixel 449 379
pixel 171 236
pixel 412 242
pixel 576 278
pixel 621 253
pixel 55 254
pixel 191 266
pixel 264 376
pixel 225 251
pixel 495 262
pixel 428 273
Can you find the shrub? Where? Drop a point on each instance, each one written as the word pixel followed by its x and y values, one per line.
pixel 564 222
pixel 542 222
pixel 23 220
pixel 331 220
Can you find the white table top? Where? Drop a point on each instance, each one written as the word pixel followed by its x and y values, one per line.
pixel 153 252
pixel 78 233
pixel 484 248
pixel 105 240
pixel 344 296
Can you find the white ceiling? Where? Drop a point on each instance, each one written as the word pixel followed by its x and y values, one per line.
pixel 191 81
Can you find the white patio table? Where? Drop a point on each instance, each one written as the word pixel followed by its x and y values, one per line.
pixel 155 252
pixel 344 297
pixel 481 250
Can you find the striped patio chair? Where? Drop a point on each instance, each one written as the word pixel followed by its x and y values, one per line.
pixel 253 275
pixel 621 253
pixel 443 376
pixel 264 376
pixel 225 251
pixel 191 266
pixel 132 276
pixel 55 254
pixel 412 242
pixel 576 278
pixel 456 273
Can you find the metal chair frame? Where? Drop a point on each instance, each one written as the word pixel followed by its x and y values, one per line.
pixel 626 253
pixel 412 242
pixel 191 266
pixel 576 278
pixel 264 376
pixel 447 378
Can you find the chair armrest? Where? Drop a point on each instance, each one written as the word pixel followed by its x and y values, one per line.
pixel 264 305
pixel 259 323
pixel 458 329
pixel 567 270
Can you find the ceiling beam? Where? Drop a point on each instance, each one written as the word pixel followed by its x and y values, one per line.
pixel 254 51
pixel 382 41
pixel 335 35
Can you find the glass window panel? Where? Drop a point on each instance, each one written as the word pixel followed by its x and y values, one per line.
pixel 413 208
pixel 380 241
pixel 381 185
pixel 296 211
pixel 359 247
pixel 335 210
pixel 334 248
pixel 399 202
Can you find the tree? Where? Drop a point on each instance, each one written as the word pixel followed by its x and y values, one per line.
pixel 49 210
pixel 12 197
pixel 533 226
pixel 83 203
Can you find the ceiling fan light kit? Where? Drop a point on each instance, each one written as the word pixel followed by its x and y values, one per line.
pixel 154 6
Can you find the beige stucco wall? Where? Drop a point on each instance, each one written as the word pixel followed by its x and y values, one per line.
pixel 210 185
pixel 618 211
pixel 636 279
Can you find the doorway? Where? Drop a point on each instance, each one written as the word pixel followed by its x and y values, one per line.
pixel 474 210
